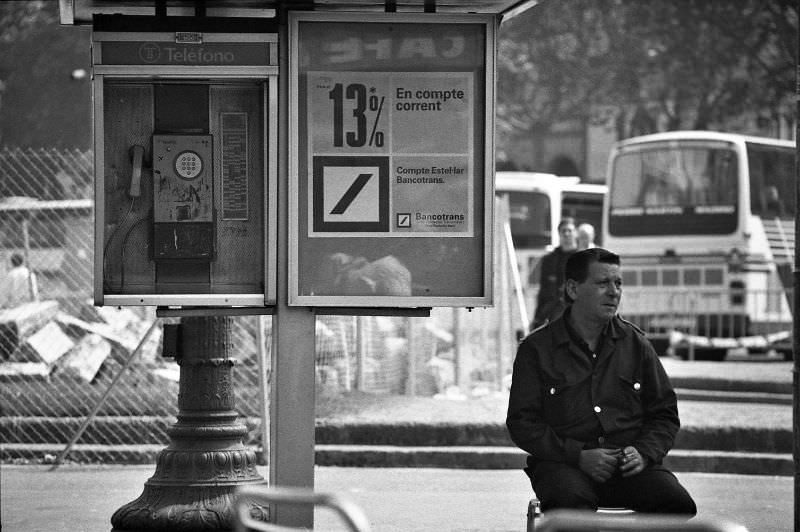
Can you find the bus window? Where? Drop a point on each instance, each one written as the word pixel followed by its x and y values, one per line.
pixel 771 180
pixel 674 188
pixel 530 219
pixel 585 208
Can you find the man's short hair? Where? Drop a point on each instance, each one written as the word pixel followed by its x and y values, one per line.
pixel 577 266
pixel 565 221
pixel 16 260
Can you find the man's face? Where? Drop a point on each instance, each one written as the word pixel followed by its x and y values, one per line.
pixel 584 238
pixel 566 236
pixel 598 296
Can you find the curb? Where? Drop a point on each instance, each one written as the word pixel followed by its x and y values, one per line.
pixel 730 385
pixel 105 431
pixel 775 464
pixel 456 457
pixel 727 439
pixel 764 398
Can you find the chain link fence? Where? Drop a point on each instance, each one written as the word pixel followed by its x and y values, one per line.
pixel 93 379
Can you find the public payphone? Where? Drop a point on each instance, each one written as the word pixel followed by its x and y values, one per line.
pixel 183 208
pixel 185 159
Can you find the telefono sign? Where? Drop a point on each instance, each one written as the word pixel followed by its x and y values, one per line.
pixel 170 53
pixel 152 53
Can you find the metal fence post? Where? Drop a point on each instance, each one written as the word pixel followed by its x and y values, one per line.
pixel 457 347
pixel 360 354
pixel 411 380
pixel 264 388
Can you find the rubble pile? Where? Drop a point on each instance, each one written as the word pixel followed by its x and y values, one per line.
pixel 47 339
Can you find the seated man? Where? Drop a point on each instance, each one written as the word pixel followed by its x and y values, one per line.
pixel 592 405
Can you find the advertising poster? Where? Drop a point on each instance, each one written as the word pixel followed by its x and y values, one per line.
pixel 391 190
pixel 391 154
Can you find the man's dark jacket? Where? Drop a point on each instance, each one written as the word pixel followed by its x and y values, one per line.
pixel 562 401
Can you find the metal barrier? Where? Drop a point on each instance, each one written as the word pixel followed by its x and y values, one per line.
pixel 717 312
pixel 248 496
pixel 587 521
pixel 535 514
pixel 707 322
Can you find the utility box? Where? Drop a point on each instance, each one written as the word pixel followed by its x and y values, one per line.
pixel 185 163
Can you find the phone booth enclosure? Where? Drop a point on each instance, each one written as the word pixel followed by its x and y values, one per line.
pixel 190 220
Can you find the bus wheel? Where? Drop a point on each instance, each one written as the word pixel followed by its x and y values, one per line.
pixel 713 354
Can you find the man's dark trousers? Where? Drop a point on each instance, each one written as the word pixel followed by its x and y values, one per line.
pixel 654 490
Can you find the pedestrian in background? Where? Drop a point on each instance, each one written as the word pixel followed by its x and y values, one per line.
pixel 550 301
pixel 585 236
pixel 592 405
pixel 19 285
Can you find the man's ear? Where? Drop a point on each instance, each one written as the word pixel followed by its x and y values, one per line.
pixel 571 288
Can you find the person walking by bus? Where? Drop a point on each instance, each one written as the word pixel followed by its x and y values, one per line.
pixel 19 285
pixel 585 236
pixel 550 300
pixel 592 405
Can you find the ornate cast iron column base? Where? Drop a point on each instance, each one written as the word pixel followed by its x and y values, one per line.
pixel 196 475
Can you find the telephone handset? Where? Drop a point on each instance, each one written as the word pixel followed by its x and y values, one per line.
pixel 137 156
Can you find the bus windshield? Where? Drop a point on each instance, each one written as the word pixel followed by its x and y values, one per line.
pixel 530 219
pixel 685 187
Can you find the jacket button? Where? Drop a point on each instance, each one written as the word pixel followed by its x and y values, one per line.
pixel 598 409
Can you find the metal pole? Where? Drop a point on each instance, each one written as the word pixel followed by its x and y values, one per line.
pixel 795 321
pixel 512 261
pixel 411 381
pixel 503 322
pixel 293 346
pixel 502 260
pixel 348 370
pixel 457 347
pixel 263 377
pixel 197 474
pixel 26 238
pixel 361 354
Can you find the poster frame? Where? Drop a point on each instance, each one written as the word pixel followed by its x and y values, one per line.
pixel 482 299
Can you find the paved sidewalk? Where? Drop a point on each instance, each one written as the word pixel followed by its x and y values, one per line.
pixel 82 499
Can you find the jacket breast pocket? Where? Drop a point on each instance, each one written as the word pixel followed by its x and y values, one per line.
pixel 631 391
pixel 565 402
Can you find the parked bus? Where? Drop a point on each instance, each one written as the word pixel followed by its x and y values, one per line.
pixel 537 202
pixel 704 222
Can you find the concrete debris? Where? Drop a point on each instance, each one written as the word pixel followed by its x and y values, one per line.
pixel 50 343
pixel 85 360
pixel 20 322
pixel 40 339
